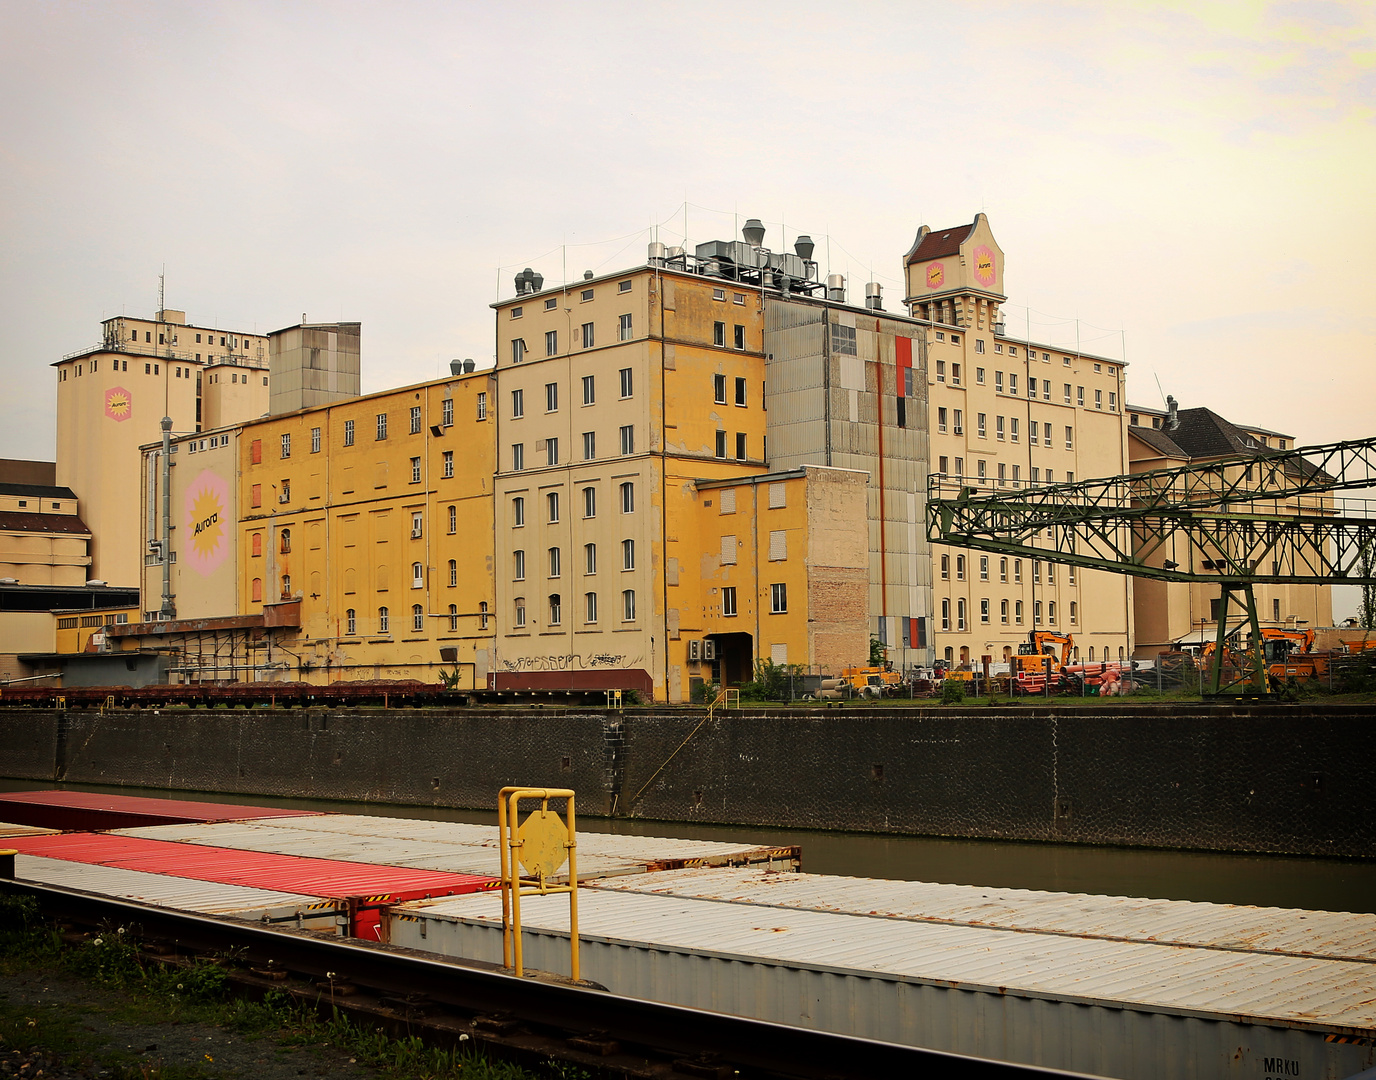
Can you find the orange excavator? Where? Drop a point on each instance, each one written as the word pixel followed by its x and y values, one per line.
pixel 1030 663
pixel 1289 655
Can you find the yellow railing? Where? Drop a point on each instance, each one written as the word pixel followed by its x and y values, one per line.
pixel 542 844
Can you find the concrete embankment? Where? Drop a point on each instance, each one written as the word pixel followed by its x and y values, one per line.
pixel 1283 779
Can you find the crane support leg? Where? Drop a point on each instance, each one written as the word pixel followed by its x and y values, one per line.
pixel 1256 660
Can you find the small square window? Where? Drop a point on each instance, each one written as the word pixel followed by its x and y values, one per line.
pixel 624 286
pixel 586 296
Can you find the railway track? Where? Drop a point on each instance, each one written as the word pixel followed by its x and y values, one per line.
pixel 530 1020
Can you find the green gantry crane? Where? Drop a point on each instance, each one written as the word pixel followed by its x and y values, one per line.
pixel 1265 518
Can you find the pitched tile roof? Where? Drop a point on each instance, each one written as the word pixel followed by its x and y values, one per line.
pixel 20 521
pixel 37 491
pixel 939 243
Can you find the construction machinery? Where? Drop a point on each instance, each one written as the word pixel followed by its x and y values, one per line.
pixel 870 681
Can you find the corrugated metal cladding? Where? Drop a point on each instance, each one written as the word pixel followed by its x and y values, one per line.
pixel 1337 935
pixel 456 847
pixel 184 894
pixel 88 810
pixel 23 830
pixel 1110 1008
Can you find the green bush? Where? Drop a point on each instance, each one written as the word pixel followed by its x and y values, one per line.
pixel 952 692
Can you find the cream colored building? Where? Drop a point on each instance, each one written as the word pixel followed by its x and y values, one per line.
pixel 1007 413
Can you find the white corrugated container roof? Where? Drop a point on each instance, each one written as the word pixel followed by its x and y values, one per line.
pixel 1285 931
pixel 207 897
pixel 437 845
pixel 1208 982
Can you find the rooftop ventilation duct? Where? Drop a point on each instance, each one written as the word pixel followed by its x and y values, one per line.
pixel 468 367
pixel 753 231
pixel 455 367
pixel 874 296
pixel 1172 413
pixel 587 275
pixel 525 281
pixel 537 280
pixel 804 246
pixel 836 287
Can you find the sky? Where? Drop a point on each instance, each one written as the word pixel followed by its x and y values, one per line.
pixel 1186 186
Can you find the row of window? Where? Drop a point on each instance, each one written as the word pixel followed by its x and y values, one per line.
pixel 1033 385
pixel 384 617
pixel 555 609
pixel 584 295
pixel 1003 570
pixel 1039 433
pixel 1038 474
pixel 518 504
pixel 626 445
pixel 518 397
pixel 719 391
pixel 1066 361
pixel 555 560
pixel 415 426
pixel 587 336
pixel 1017 609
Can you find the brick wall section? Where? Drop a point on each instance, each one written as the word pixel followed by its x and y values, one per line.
pixel 1297 779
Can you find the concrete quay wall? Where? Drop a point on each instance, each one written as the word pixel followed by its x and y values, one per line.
pixel 1281 779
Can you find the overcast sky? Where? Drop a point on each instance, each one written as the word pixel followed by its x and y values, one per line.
pixel 1192 183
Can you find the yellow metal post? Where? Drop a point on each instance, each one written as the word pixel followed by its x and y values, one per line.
pixel 536 844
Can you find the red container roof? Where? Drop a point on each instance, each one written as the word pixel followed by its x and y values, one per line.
pixel 287 873
pixel 87 810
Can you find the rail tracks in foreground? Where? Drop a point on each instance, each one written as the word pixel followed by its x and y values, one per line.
pixel 531 1020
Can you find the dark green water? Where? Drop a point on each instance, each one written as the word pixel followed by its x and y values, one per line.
pixel 1266 880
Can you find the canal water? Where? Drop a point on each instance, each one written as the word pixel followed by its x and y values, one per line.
pixel 1265 880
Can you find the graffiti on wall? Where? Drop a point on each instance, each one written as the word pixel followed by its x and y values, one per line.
pixel 569 662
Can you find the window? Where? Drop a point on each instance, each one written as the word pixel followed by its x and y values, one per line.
pixel 998 428
pixel 590 607
pixel 998 381
pixel 979 347
pixel 1036 613
pixel 960 614
pixel 587 335
pixel 285 497
pixel 518 565
pixel 1017 570
pixel 551 451
pixel 1098 399
pixel 315 440
pixel 626 384
pixel 738 298
pixel 482 615
pixel 551 342
pixel 945 567
pixel 719 389
pixel 518 350
pixel 740 392
pixel 589 558
pixel 628 439
pixel 623 286
pixel 981 469
pixel 551 397
pixel 628 498
pixel 518 511
pixel 719 334
pixel 1065 392
pixel 1074 612
pixel 518 404
pixel 257 546
pixel 1080 396
pixel 517 312
pixel 1032 388
pixel 957 422
pixel 1013 383
pixel 941 419
pixel 417 576
pixel 415 470
pixel 941 371
pixel 980 425
pixel 1112 401
pixel 453 520
pixel 740 446
pixel 955 374
pixel 1069 437
pixel 778 598
pixel 984 568
pixel 589 502
pixel 589 445
pixel 555 562
pixel 945 614
pixel 519 611
pixel 453 618
pixel 1003 474
pixel 286 445
pixel 740 336
pixel 627 554
pixel 447 412
pixel 1003 612
pixel 350 622
pixel 453 573
pixel 589 390
pixel 256 495
pixel 941 465
pixel 552 506
pixel 381 426
pixel 384 621
pixel 728 600
pixel 1051 612
pixel 415 420
pixel 1017 612
pixel 482 408
pixel 625 328
pixel 448 464
pixel 417 618
pixel 720 448
pixel 1033 432
pixel 348 433
pixel 1037 571
pixel 628 605
pixel 1012 429
pixel 960 567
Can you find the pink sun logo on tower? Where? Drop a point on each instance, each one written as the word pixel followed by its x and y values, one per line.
pixel 206 519
pixel 936 275
pixel 119 404
pixel 984 265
